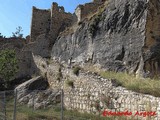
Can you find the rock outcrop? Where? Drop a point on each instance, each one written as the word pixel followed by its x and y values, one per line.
pixel 37 83
pixel 35 93
pixel 122 36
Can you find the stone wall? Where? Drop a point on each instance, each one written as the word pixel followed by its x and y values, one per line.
pixel 50 22
pixel 40 22
pixel 45 28
pixel 98 1
pixel 83 11
pixel 59 20
pixel 90 92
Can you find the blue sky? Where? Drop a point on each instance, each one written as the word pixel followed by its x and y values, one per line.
pixel 14 13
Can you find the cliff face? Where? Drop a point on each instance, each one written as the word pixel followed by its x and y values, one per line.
pixel 119 37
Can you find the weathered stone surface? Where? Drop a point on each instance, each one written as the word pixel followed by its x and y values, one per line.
pixel 41 99
pixel 37 83
pixel 35 94
pixel 118 38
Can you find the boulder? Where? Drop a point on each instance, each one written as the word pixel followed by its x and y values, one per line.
pixel 37 83
pixel 35 93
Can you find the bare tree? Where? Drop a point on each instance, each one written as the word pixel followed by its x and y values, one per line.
pixel 18 33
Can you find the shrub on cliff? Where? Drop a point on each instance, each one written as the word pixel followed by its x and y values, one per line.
pixel 8 65
pixel 70 83
pixel 76 70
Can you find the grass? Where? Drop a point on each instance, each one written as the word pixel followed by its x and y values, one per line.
pixel 70 83
pixel 130 82
pixel 146 86
pixel 54 113
pixel 76 70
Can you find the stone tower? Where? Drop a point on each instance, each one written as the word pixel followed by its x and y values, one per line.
pixel 46 26
pixel 49 21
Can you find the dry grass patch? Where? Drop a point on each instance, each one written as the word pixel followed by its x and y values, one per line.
pixel 141 85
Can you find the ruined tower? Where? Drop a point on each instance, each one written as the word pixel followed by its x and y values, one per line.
pixel 84 10
pixel 40 22
pixel 49 21
pixel 46 26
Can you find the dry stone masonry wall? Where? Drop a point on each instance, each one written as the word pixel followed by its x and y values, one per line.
pixel 92 93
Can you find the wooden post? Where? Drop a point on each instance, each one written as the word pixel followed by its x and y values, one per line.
pixel 5 106
pixel 15 105
pixel 62 114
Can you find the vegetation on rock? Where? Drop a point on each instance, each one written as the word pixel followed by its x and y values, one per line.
pixel 141 85
pixel 76 70
pixel 70 83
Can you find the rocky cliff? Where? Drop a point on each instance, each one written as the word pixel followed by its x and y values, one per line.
pixel 123 35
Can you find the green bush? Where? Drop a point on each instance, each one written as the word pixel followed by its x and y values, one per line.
pixel 70 83
pixel 76 70
pixel 59 76
pixel 8 65
pixel 93 27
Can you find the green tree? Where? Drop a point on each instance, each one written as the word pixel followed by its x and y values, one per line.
pixel 18 33
pixel 8 65
pixel 1 36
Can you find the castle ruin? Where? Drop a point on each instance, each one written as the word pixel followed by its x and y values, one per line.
pixel 50 21
pixel 82 11
pixel 55 20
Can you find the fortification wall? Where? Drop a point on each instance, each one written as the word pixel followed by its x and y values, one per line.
pixel 84 10
pixel 40 22
pixel 98 1
pixel 49 21
pixel 59 20
pixel 55 20
pixel 93 94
